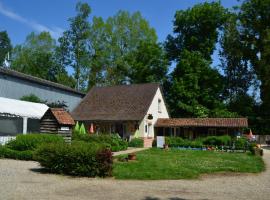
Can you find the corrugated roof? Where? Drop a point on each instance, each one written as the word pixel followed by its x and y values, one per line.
pixel 202 122
pixel 62 116
pixel 27 77
pixel 116 103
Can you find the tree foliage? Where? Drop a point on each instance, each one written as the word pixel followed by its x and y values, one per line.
pixel 5 46
pixel 195 88
pixel 254 17
pixel 73 49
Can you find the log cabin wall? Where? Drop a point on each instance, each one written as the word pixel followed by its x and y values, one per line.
pixel 48 124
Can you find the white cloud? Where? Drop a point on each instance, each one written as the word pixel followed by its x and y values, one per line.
pixel 54 31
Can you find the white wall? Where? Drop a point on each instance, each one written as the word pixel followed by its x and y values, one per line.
pixel 153 109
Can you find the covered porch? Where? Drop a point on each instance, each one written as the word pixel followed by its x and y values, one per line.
pixel 191 128
pixel 125 129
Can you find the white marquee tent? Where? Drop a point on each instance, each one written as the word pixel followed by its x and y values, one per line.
pixel 16 116
pixel 19 108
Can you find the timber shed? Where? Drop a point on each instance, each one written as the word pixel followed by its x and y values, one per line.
pixel 58 121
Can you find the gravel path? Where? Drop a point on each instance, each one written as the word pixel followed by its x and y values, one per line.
pixel 20 180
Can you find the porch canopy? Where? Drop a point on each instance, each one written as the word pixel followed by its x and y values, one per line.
pixel 17 108
pixel 202 122
pixel 193 127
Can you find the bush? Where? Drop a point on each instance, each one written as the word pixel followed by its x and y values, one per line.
pixel 5 152
pixel 113 141
pixel 78 159
pixel 180 142
pixel 136 142
pixel 32 141
pixel 217 140
pixel 241 143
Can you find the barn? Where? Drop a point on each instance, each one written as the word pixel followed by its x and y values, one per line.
pixel 15 85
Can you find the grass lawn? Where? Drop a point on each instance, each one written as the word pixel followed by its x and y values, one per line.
pixel 154 164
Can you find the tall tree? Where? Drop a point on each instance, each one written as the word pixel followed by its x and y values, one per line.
pixel 238 73
pixel 148 63
pixel 113 41
pixel 194 88
pixel 35 56
pixel 196 29
pixel 5 46
pixel 74 44
pixel 254 18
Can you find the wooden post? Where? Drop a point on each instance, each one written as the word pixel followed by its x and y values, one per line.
pixel 25 125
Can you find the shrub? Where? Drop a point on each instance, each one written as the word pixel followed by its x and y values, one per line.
pixel 180 142
pixel 241 143
pixel 113 141
pixel 136 142
pixel 78 159
pixel 32 141
pixel 5 152
pixel 217 140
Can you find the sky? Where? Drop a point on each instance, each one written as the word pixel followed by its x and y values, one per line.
pixel 19 18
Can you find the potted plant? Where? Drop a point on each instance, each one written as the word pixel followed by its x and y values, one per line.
pixel 132 156
pixel 166 146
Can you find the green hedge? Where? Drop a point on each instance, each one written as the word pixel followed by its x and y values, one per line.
pixel 217 140
pixel 32 141
pixel 6 152
pixel 78 159
pixel 113 141
pixel 180 142
pixel 136 142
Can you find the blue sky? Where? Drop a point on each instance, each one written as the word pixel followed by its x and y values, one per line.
pixel 19 18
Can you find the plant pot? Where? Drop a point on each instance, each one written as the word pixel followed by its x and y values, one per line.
pixel 166 146
pixel 132 156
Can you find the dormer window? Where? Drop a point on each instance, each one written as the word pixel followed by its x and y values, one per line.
pixel 159 105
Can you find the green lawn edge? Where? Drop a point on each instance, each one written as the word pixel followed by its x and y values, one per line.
pixel 158 164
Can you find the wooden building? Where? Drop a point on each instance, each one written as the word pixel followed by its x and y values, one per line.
pixel 191 128
pixel 58 121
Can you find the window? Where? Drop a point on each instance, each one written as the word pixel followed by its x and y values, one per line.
pixel 145 128
pixel 159 105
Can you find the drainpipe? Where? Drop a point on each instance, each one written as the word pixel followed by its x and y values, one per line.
pixel 25 125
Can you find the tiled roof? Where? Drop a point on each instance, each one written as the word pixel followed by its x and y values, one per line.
pixel 116 103
pixel 27 77
pixel 202 122
pixel 62 116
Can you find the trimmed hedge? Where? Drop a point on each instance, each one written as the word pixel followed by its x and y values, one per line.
pixel 180 142
pixel 6 152
pixel 217 140
pixel 32 141
pixel 113 141
pixel 77 159
pixel 136 142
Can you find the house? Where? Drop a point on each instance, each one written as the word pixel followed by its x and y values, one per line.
pixel 198 127
pixel 57 121
pixel 15 85
pixel 19 117
pixel 140 110
pixel 129 110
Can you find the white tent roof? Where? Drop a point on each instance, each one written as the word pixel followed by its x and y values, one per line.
pixel 22 108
